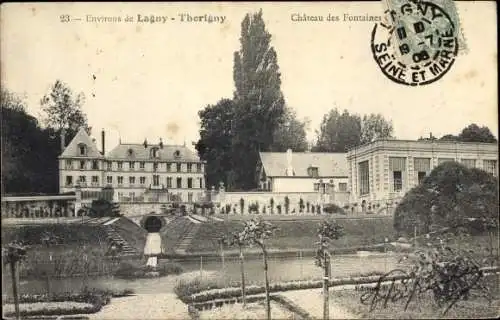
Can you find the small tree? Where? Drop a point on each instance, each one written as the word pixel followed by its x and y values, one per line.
pixel 278 208
pixel 242 205
pixel 238 239
pixel 327 231
pixel 256 231
pixel 12 254
pixel 308 205
pixel 287 204
pixel 301 205
pixel 271 203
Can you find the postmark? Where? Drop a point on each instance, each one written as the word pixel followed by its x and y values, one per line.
pixel 417 43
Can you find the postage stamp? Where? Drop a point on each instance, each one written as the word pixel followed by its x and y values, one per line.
pixel 418 41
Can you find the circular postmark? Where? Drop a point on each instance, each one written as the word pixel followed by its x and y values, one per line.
pixel 417 46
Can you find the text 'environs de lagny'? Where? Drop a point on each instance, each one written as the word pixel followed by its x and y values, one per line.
pixel 157 19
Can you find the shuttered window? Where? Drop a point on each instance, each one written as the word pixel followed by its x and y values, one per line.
pixel 364 178
pixel 469 163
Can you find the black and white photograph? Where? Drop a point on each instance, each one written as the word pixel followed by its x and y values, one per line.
pixel 249 160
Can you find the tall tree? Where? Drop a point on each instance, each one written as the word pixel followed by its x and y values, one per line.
pixel 29 153
pixel 259 102
pixel 63 110
pixel 338 132
pixel 474 133
pixel 214 145
pixel 375 126
pixel 291 133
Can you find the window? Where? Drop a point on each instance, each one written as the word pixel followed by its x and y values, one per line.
pixel 313 172
pixel 155 153
pixel 109 164
pixel 142 180
pixel 198 167
pixel 190 183
pixel 190 197
pixel 189 167
pixel 169 182
pixel 82 164
pixel 179 167
pixel 469 163
pixel 201 183
pixel 130 152
pixel 422 167
pixel 82 180
pixel 69 164
pixel 421 176
pixel 156 180
pixel 131 165
pixel 316 187
pixel 95 180
pixel 120 165
pixel 131 195
pixel 82 149
pixel 342 187
pixel 131 180
pixel 120 180
pixel 490 166
pixel 95 165
pixel 169 167
pixel 179 183
pixel 109 179
pixel 397 178
pixel 397 169
pixel 364 178
pixel 141 165
pixel 155 166
pixel 69 180
pixel 177 154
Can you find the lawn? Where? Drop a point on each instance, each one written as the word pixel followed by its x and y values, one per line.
pixel 299 233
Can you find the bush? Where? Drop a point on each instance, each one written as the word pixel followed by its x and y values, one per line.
pixel 447 197
pixel 130 269
pixel 333 208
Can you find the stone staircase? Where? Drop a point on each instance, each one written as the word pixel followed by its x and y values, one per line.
pixel 186 240
pixel 114 237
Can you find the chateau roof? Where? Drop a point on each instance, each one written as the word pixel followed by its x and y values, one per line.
pixel 328 164
pixel 73 150
pixel 137 152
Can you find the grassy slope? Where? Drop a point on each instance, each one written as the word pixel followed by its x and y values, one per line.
pixel 299 234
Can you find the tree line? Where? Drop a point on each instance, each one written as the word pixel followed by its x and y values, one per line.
pixel 257 119
pixel 30 147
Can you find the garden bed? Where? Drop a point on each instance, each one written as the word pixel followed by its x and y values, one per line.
pixel 137 270
pixel 251 311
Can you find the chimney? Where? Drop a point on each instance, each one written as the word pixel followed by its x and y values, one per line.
pixel 145 143
pixel 103 135
pixel 161 144
pixel 289 170
pixel 63 139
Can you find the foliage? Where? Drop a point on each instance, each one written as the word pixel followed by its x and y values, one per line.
pixel 28 151
pixel 474 133
pixel 103 208
pixel 63 110
pixel 14 252
pixel 333 208
pixel 290 133
pixel 242 205
pixel 449 274
pixel 287 204
pixel 448 197
pixel 214 145
pixel 259 102
pixel 327 231
pixel 340 131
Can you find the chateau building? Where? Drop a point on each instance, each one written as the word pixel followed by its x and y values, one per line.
pixel 137 172
pixel 381 172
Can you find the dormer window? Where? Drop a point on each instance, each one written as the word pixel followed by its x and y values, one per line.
pixel 130 152
pixel 82 149
pixel 177 154
pixel 313 172
pixel 155 153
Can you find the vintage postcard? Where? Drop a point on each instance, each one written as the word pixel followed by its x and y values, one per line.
pixel 253 160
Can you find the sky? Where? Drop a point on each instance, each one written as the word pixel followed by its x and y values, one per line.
pixel 152 79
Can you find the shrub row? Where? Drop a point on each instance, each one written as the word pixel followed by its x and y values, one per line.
pixel 129 269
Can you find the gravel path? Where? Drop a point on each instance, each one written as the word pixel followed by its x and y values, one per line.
pixel 144 306
pixel 311 300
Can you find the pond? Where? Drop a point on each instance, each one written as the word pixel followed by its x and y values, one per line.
pixel 280 269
